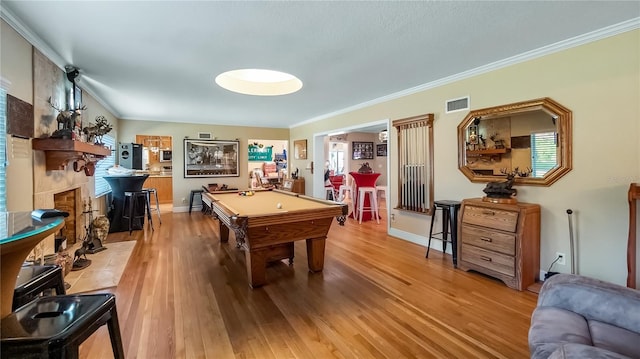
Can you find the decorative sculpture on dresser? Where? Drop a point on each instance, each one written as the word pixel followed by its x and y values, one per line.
pixel 502 191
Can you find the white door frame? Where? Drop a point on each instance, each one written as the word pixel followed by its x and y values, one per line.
pixel 320 157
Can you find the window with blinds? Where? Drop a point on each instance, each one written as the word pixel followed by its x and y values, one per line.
pixel 415 163
pixel 544 155
pixel 3 150
pixel 102 187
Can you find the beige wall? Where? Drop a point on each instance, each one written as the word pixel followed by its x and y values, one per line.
pixel 16 63
pixel 16 68
pixel 600 83
pixel 182 186
pixel 29 184
pixel 378 164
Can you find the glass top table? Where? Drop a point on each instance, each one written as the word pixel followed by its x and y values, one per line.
pixel 19 233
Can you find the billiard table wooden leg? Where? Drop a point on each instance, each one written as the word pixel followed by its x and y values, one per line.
pixel 224 232
pixel 256 267
pixel 315 253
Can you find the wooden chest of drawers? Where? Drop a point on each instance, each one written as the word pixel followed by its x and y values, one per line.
pixel 500 240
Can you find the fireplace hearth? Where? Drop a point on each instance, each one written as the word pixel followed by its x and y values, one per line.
pixel 68 201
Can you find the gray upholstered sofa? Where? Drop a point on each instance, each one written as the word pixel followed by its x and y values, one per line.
pixel 582 317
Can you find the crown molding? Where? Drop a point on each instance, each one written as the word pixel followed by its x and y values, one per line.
pixel 31 37
pixel 629 25
pixel 46 50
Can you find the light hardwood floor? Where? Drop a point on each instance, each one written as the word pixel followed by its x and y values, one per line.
pixel 185 295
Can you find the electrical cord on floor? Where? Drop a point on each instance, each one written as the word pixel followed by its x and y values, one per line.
pixel 549 272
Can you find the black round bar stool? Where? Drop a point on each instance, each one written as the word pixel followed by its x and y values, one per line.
pixel 55 326
pixel 136 206
pixel 449 210
pixel 194 192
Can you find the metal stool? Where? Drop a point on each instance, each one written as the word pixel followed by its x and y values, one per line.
pixel 155 193
pixel 131 202
pixel 55 326
pixel 193 193
pixel 373 202
pixel 382 189
pixel 449 226
pixel 34 280
pixel 342 192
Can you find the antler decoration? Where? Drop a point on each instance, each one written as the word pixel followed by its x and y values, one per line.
pixel 65 119
pixel 516 172
pixel 54 106
pixel 95 132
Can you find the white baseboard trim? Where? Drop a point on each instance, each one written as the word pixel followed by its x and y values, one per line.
pixel 436 244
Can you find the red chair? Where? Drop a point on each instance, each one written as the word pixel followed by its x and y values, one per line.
pixel 336 181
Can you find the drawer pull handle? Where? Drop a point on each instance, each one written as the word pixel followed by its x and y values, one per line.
pixel 484 258
pixel 486 239
pixel 489 213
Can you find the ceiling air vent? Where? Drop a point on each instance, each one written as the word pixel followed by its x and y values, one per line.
pixel 457 104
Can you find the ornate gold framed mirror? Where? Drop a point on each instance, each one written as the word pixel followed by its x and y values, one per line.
pixel 531 138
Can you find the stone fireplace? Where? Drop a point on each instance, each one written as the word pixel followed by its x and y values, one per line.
pixel 65 190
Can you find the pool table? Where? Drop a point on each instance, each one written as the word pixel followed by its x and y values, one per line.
pixel 267 232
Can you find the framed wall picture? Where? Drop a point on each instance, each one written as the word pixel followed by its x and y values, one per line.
pixel 381 150
pixel 210 158
pixel 300 149
pixel 362 150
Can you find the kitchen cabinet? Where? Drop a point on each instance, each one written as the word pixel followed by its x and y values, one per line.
pixel 155 144
pixel 164 186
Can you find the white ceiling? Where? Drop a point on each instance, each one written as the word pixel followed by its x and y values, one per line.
pixel 157 60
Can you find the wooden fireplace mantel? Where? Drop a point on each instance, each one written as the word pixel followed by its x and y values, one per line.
pixel 59 152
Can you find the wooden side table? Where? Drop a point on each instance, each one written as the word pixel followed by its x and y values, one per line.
pixel 294 185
